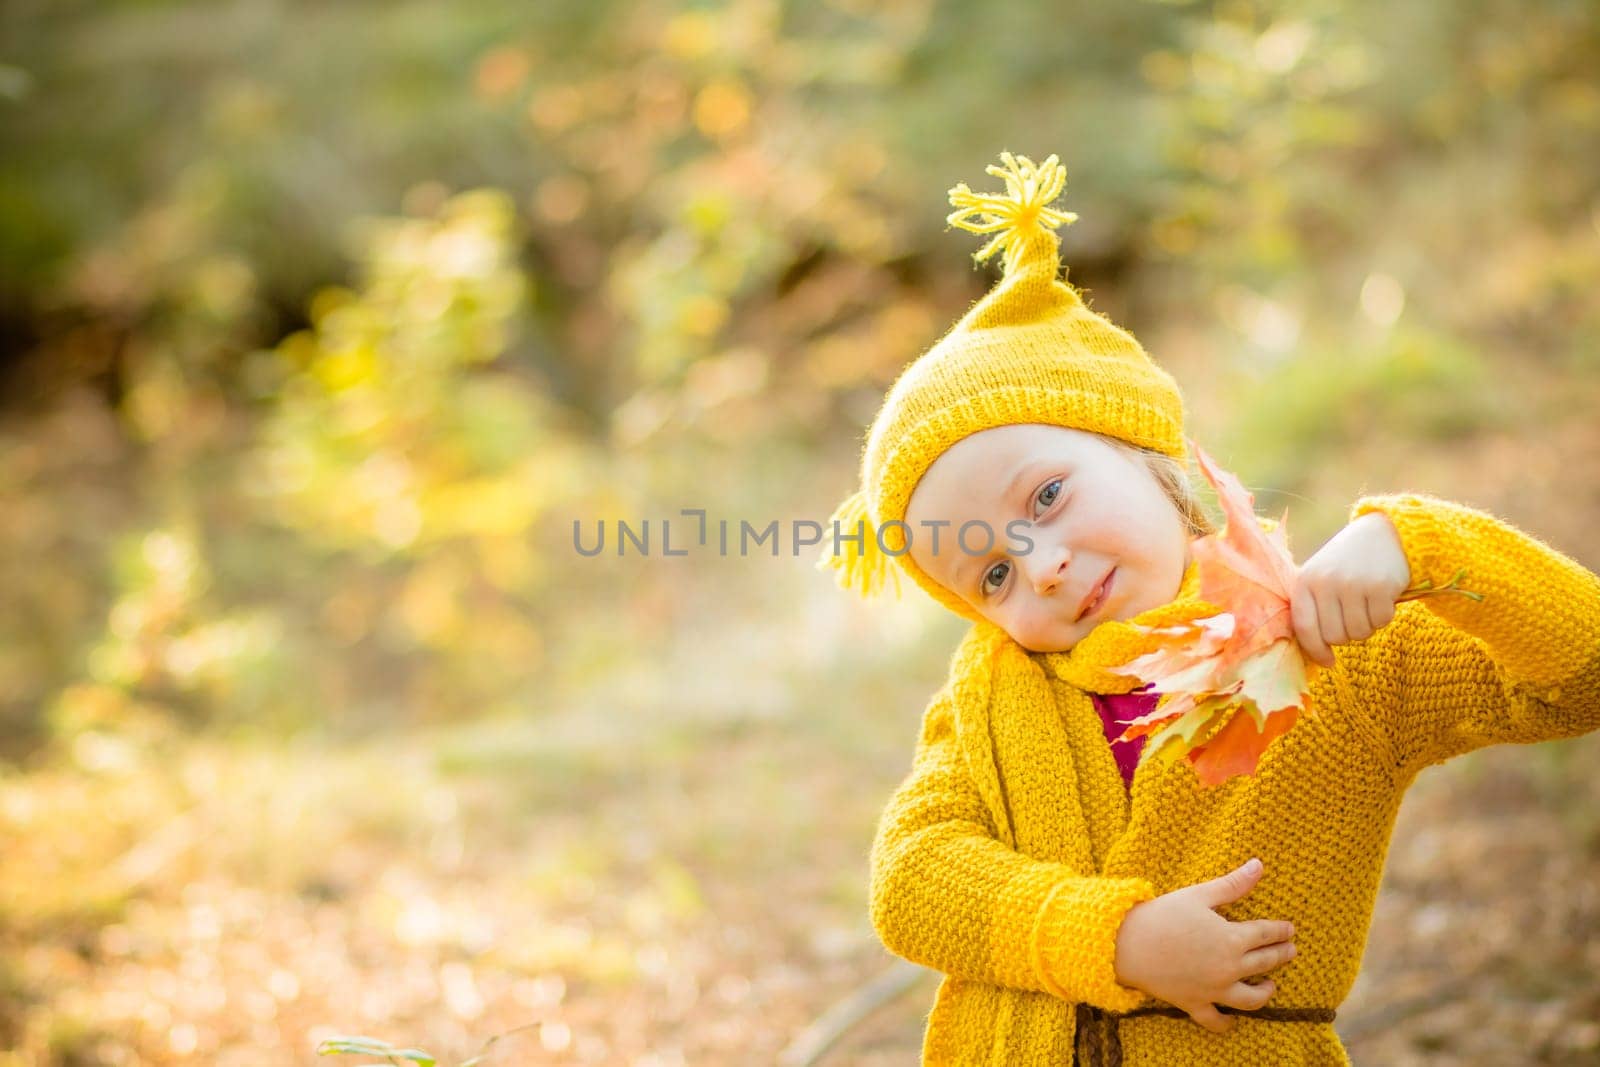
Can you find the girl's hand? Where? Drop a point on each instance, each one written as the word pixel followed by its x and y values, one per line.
pixel 1347 590
pixel 1176 948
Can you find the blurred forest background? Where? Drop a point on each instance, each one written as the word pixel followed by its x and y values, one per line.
pixel 321 323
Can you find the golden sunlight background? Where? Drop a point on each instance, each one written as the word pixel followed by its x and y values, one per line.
pixel 321 326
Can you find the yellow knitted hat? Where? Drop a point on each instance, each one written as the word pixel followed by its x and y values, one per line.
pixel 1030 351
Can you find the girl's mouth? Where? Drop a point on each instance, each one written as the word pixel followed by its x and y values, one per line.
pixel 1100 594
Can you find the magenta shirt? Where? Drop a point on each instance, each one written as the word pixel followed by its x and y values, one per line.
pixel 1116 711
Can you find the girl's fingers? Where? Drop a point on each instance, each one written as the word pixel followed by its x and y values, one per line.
pixel 1262 932
pixel 1380 610
pixel 1247 997
pixel 1356 625
pixel 1209 1017
pixel 1331 613
pixel 1307 630
pixel 1261 960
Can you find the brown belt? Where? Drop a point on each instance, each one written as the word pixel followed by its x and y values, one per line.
pixel 1099 1044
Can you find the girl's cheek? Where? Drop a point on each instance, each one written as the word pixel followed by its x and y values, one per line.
pixel 1031 630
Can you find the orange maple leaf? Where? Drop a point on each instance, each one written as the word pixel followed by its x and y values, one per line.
pixel 1234 682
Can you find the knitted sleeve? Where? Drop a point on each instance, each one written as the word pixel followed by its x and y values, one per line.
pixel 1451 673
pixel 949 894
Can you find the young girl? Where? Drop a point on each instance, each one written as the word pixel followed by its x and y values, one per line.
pixel 1029 473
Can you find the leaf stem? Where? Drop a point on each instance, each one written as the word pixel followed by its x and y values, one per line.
pixel 1417 592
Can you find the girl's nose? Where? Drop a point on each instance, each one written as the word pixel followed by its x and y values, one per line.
pixel 1048 569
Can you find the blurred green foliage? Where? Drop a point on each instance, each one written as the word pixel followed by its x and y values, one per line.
pixel 321 322
pixel 1414 384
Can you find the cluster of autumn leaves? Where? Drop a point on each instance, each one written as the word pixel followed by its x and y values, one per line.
pixel 1235 681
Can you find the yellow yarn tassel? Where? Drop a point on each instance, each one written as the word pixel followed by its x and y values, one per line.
pixel 1023 211
pixel 864 566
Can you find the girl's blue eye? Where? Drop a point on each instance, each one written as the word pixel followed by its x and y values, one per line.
pixel 1047 495
pixel 996 575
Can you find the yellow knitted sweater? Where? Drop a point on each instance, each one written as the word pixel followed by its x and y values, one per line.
pixel 1008 856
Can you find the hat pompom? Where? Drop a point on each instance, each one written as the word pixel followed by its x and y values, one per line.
pixel 1019 216
pixel 850 547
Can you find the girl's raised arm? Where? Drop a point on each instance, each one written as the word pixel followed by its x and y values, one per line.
pixel 1517 662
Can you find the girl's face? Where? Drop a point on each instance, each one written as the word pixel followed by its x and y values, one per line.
pixel 1091 512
